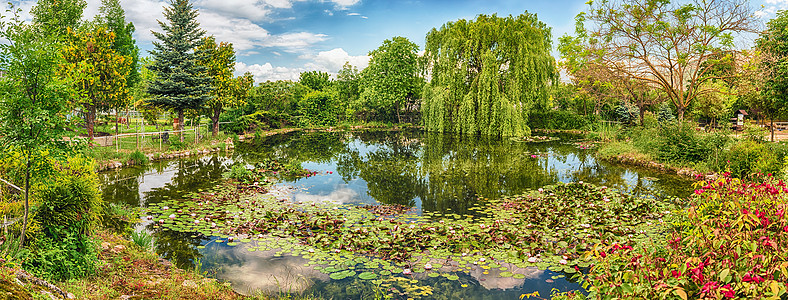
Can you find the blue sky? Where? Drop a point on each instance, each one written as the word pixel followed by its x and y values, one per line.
pixel 278 39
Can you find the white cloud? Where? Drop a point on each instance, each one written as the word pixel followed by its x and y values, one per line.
pixel 265 72
pixel 353 14
pixel 769 10
pixel 242 33
pixel 252 10
pixel 344 4
pixel 326 61
pixel 296 41
pixel 332 61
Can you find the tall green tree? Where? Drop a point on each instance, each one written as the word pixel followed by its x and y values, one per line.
pixel 486 74
pixel 773 44
pixel 391 81
pixel 315 80
pixel 55 17
pixel 219 63
pixel 33 100
pixel 113 16
pixel 348 88
pixel 180 82
pixel 97 71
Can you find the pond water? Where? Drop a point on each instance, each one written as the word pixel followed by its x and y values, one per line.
pixel 431 172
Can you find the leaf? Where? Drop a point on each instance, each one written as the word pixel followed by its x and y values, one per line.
pixel 681 293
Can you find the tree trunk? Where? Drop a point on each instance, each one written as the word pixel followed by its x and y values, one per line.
pixel 117 124
pixel 90 121
pixel 771 127
pixel 680 113
pixel 399 118
pixel 642 113
pixel 215 122
pixel 27 202
pixel 180 123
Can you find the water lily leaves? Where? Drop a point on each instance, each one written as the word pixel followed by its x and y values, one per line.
pixel 367 275
pixel 505 274
pixel 453 277
pixel 518 276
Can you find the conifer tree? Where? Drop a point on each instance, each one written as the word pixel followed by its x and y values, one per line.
pixel 181 83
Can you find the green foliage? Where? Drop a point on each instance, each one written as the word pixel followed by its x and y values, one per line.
pixel 318 109
pixel 142 239
pixel 63 256
pixel 774 44
pixel 137 158
pixel 747 157
pixel 33 99
pixel 391 82
pixel 239 173
pixel 754 133
pixel 114 18
pixel 96 70
pixel 348 88
pixel 315 80
pixel 52 18
pixel 561 120
pixel 487 74
pixel 180 82
pixel 260 120
pixel 70 199
pixel 69 210
pixel 177 145
pixel 681 142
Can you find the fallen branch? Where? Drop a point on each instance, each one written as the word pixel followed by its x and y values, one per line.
pixel 22 275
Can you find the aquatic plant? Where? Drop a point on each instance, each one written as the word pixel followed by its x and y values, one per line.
pixel 550 228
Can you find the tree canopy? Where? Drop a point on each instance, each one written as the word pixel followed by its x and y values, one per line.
pixel 392 79
pixel 773 44
pixel 486 74
pixel 98 72
pixel 675 47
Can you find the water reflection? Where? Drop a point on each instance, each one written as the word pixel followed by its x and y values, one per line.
pixel 431 172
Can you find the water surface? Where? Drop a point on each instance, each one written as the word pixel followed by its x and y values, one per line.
pixel 431 172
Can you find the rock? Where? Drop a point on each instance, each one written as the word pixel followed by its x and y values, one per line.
pixel 118 248
pixel 167 264
pixel 105 245
pixel 189 284
pixel 126 297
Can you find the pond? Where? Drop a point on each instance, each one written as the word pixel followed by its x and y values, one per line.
pixel 434 173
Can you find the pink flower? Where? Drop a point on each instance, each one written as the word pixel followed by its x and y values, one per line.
pixel 727 291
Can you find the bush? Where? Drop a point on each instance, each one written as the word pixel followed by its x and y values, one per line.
pixel 66 255
pixel 260 120
pixel 240 173
pixel 137 158
pixel 729 243
pixel 560 120
pixel 681 142
pixel 69 210
pixel 318 109
pixel 747 157
pixel 177 145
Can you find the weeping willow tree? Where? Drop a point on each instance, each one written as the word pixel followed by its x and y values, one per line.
pixel 486 74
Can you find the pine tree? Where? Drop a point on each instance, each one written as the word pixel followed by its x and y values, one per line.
pixel 181 83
